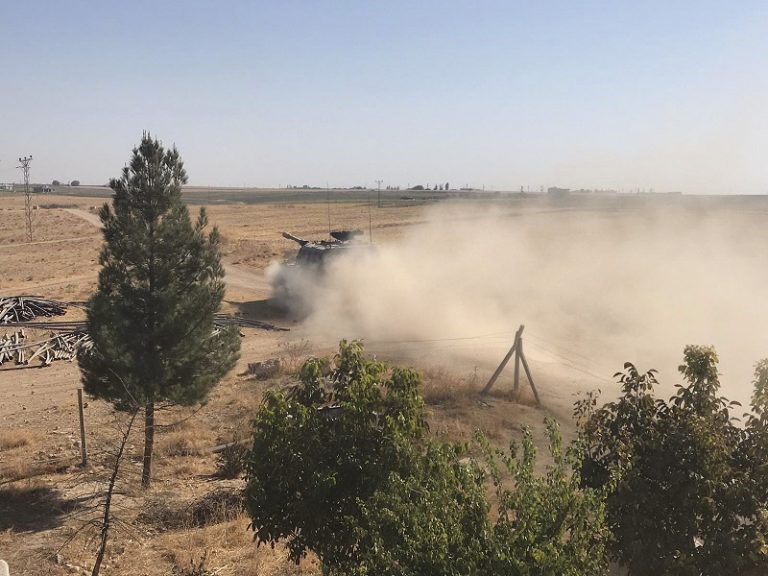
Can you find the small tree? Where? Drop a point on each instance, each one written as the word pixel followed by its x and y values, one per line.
pixel 325 447
pixel 547 525
pixel 55 183
pixel 161 282
pixel 435 521
pixel 686 486
pixel 77 183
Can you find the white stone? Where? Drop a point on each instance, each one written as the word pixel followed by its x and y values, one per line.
pixel 4 568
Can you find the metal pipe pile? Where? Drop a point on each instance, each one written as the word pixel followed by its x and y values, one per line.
pixel 26 308
pixel 68 339
pixel 62 346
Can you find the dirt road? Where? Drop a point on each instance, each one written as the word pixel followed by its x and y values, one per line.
pixel 251 281
pixel 85 215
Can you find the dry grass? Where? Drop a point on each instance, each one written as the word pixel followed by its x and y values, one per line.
pixel 229 547
pixel 17 469
pixel 164 513
pixel 442 387
pixel 24 561
pixel 293 354
pixel 13 438
pixel 31 505
pixel 183 443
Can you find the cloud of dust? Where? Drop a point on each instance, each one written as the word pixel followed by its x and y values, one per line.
pixel 594 288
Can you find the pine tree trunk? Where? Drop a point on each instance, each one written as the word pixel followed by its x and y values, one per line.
pixel 149 441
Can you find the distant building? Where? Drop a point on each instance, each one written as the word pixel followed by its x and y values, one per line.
pixel 555 191
pixel 8 187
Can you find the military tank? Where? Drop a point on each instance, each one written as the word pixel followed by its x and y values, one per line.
pixel 317 253
pixel 297 281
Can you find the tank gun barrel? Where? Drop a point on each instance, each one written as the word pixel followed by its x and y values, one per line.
pixel 299 241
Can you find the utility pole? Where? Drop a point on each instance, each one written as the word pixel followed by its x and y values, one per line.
pixel 25 162
pixel 378 201
pixel 370 219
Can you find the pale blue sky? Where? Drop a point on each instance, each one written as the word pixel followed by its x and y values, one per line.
pixel 669 95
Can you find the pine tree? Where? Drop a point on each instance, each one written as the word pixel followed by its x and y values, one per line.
pixel 152 317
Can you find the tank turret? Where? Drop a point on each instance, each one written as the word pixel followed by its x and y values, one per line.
pixel 317 252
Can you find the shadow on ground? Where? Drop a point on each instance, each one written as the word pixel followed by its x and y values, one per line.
pixel 32 508
pixel 265 311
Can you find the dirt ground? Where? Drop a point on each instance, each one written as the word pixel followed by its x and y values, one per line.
pixel 47 499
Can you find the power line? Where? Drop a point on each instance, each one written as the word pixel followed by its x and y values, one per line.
pixel 570 363
pixel 428 340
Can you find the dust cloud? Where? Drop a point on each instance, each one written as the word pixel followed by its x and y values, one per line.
pixel 595 287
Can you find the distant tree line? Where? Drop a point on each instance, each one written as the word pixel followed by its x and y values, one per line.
pixel 437 187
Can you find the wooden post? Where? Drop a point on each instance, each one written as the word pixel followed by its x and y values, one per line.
pixel 503 364
pixel 496 374
pixel 83 448
pixel 518 344
pixel 517 350
pixel 528 373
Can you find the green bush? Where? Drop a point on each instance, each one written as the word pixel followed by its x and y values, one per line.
pixel 327 445
pixel 340 465
pixel 433 520
pixel 686 484
pixel 546 525
pixel 436 520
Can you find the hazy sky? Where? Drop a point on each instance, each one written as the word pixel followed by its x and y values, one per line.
pixel 670 95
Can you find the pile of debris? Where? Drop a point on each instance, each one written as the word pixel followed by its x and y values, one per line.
pixel 61 346
pixel 26 308
pixel 68 339
pixel 12 347
pixel 265 369
pixel 65 346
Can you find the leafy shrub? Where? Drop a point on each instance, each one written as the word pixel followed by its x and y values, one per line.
pixel 340 465
pixel 328 445
pixel 546 525
pixel 435 521
pixel 687 487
